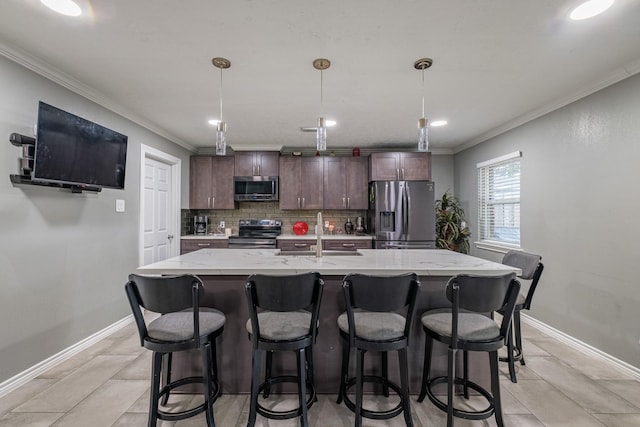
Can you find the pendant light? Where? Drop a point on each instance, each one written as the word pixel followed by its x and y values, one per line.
pixel 423 124
pixel 221 127
pixel 321 131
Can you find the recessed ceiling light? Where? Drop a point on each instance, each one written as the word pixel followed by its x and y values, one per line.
pixel 65 7
pixel 437 123
pixel 590 8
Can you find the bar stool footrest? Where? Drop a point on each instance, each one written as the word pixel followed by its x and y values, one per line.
pixel 283 415
pixel 468 415
pixel 374 415
pixel 187 413
pixel 517 355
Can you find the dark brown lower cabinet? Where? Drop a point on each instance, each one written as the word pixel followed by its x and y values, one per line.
pixel 190 245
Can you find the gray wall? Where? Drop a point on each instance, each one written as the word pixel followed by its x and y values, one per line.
pixel 64 257
pixel 579 207
pixel 442 174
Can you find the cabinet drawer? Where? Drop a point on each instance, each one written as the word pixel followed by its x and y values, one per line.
pixel 295 245
pixel 346 245
pixel 187 246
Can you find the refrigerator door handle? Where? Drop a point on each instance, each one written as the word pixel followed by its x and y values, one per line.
pixel 405 210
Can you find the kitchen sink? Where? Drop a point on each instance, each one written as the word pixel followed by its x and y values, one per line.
pixel 313 253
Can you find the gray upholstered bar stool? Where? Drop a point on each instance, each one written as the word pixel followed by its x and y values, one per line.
pixel 466 327
pixel 183 325
pixel 283 316
pixel 531 267
pixel 379 314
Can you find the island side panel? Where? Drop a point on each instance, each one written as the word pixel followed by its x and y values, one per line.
pixel 227 293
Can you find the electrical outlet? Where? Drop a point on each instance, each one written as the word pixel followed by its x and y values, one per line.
pixel 221 226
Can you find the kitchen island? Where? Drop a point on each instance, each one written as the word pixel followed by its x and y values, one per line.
pixel 224 273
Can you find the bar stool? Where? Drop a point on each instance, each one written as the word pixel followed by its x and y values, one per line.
pixel 466 327
pixel 182 326
pixel 372 322
pixel 531 267
pixel 283 316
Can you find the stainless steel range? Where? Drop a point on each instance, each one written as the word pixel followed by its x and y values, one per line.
pixel 256 234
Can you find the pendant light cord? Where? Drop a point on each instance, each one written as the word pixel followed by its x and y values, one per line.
pixel 221 95
pixel 321 97
pixel 422 93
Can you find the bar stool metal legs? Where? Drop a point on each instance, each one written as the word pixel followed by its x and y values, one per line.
pixel 465 328
pixel 378 319
pixel 283 316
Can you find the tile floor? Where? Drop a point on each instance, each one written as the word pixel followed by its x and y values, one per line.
pixel 107 385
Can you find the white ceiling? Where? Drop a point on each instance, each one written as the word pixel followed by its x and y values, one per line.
pixel 497 63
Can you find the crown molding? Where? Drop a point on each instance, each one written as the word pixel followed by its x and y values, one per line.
pixel 49 72
pixel 615 76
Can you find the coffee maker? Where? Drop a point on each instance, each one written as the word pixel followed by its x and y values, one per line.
pixel 200 225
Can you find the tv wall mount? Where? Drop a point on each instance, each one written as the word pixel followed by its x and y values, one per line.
pixel 28 145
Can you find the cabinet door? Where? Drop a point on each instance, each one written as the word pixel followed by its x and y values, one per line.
pixel 356 178
pixel 289 183
pixel 345 245
pixel 256 163
pixel 311 182
pixel 244 163
pixel 200 171
pixel 188 245
pixel 295 245
pixel 222 183
pixel 415 166
pixel 267 163
pixel 384 166
pixel 335 188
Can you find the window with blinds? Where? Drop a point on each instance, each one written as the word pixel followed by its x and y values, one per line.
pixel 499 200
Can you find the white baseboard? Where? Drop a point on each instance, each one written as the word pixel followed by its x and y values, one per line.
pixel 25 376
pixel 582 346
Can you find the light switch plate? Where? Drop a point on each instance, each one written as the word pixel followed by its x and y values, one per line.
pixel 119 205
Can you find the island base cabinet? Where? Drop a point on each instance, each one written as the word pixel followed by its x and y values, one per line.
pixel 191 245
pixel 346 245
pixel 226 293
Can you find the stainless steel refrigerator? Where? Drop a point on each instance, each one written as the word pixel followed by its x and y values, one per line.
pixel 401 214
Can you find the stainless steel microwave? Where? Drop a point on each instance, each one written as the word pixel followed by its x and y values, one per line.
pixel 255 188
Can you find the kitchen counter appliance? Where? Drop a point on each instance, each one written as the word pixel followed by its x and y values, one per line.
pixel 401 214
pixel 255 188
pixel 256 234
pixel 200 225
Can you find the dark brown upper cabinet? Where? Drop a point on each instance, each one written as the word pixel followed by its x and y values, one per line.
pixel 301 182
pixel 345 182
pixel 211 182
pixel 395 166
pixel 256 163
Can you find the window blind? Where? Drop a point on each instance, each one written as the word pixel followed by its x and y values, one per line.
pixel 499 200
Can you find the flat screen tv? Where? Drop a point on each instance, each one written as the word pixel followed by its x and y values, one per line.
pixel 74 151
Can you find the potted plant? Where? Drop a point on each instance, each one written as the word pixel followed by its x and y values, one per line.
pixel 451 229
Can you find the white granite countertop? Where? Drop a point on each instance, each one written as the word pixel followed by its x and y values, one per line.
pixel 424 262
pixel 324 237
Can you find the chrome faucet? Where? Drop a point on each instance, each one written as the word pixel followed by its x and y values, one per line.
pixel 319 233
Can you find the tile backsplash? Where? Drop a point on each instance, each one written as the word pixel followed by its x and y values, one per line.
pixel 267 210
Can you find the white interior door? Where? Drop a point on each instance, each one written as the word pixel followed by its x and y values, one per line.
pixel 157 233
pixel 160 175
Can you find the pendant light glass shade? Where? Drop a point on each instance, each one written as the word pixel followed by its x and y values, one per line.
pixel 221 139
pixel 221 127
pixel 423 134
pixel 321 131
pixel 321 135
